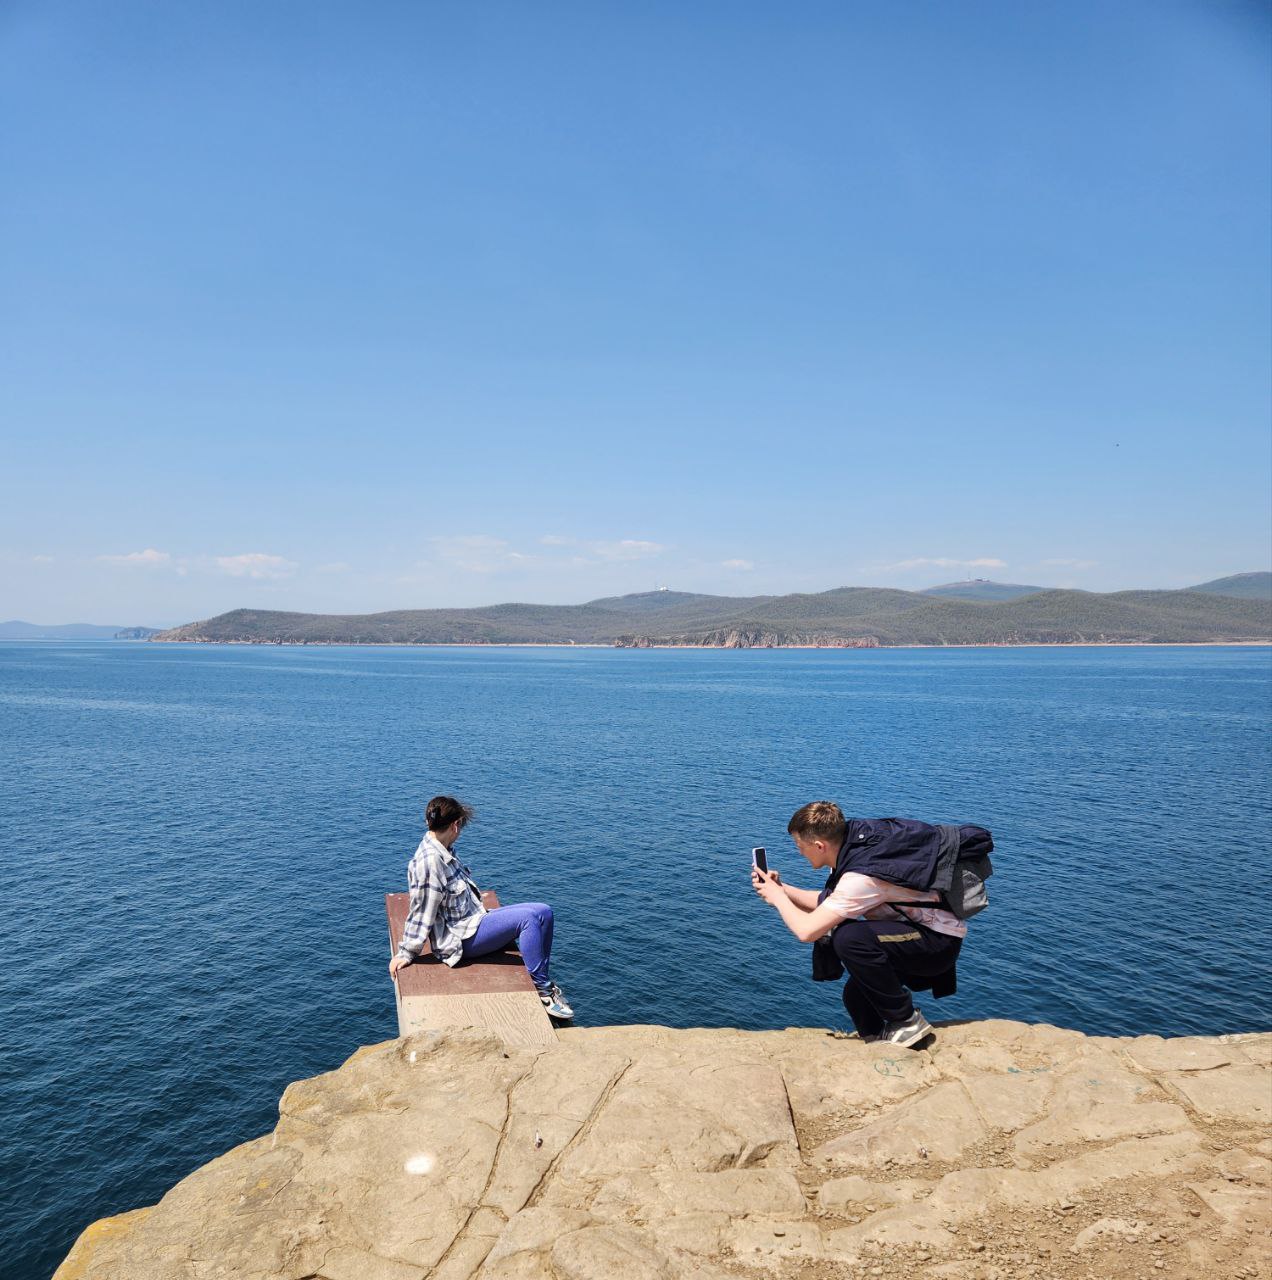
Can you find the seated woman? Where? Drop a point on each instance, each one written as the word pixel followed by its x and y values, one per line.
pixel 446 910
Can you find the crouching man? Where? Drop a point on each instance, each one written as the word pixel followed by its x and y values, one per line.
pixel 887 936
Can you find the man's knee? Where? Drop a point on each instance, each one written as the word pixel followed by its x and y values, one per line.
pixel 854 938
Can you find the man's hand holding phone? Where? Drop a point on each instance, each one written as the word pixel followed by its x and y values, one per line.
pixel 765 882
pixel 769 887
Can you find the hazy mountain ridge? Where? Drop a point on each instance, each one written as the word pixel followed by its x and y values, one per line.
pixel 1241 586
pixel 865 616
pixel 982 589
pixel 17 630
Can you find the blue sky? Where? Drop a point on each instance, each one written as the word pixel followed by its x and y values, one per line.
pixel 347 307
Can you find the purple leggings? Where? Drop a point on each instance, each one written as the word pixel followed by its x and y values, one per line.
pixel 530 923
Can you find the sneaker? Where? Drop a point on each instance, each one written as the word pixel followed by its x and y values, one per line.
pixel 555 1003
pixel 906 1034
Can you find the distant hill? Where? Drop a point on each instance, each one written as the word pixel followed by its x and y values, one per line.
pixel 847 616
pixel 981 589
pixel 62 631
pixel 137 633
pixel 650 603
pixel 1240 586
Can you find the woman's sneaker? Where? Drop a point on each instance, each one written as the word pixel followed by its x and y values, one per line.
pixel 906 1034
pixel 554 1002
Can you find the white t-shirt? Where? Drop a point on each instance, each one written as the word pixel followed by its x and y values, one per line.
pixel 863 896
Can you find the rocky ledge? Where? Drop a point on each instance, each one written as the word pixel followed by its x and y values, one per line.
pixel 642 1153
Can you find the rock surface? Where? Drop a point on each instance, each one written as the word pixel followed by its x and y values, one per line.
pixel 643 1153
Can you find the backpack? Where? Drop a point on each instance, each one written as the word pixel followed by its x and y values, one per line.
pixel 952 860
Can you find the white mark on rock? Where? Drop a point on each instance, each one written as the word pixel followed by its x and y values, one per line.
pixel 413 1056
pixel 424 1163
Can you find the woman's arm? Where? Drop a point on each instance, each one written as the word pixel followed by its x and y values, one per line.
pixel 426 887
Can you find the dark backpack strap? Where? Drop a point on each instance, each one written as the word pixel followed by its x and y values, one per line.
pixel 836 873
pixel 900 909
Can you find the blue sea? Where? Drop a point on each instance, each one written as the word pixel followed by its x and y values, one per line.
pixel 197 841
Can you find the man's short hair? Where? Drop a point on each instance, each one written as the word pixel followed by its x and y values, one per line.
pixel 822 819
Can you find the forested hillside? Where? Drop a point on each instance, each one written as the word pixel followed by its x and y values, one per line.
pixel 859 616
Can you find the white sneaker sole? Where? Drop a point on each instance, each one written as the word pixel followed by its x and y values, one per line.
pixel 909 1037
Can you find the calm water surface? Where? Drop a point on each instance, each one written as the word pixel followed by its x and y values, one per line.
pixel 196 842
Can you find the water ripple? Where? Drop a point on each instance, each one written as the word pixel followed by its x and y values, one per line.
pixel 196 844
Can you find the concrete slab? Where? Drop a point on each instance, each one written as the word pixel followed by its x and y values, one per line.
pixel 494 993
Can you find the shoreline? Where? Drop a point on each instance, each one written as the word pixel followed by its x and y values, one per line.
pixel 594 644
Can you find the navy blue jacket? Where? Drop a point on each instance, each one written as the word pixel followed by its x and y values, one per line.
pixel 902 850
pixel 898 849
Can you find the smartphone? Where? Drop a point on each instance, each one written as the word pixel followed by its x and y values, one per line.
pixel 760 858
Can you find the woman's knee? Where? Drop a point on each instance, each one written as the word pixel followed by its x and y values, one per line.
pixel 540 911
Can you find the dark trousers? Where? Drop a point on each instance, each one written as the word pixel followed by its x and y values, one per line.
pixel 882 957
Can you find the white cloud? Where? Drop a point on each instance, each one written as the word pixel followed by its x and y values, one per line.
pixel 469 541
pixel 594 552
pixel 336 566
pixel 626 549
pixel 147 559
pixel 476 552
pixel 42 559
pixel 743 566
pixel 942 562
pixel 257 565
pixel 482 553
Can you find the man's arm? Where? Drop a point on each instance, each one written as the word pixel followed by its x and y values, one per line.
pixel 805 899
pixel 806 923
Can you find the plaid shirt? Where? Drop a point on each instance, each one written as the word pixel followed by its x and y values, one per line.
pixel 445 903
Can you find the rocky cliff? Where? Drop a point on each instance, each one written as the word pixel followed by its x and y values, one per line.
pixel 749 638
pixel 642 1153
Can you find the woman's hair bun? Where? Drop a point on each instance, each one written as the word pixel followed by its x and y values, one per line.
pixel 442 811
